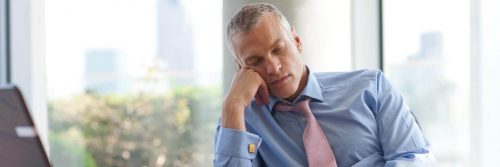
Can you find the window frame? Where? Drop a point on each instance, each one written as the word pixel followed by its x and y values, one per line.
pixel 26 60
pixel 4 42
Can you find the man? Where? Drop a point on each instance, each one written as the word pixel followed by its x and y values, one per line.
pixel 342 119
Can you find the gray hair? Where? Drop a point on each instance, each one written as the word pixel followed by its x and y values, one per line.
pixel 247 16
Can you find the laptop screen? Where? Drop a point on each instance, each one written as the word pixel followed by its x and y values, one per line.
pixel 19 141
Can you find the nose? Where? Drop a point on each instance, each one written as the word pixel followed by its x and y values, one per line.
pixel 273 66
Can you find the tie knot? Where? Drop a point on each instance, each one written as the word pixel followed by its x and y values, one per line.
pixel 302 106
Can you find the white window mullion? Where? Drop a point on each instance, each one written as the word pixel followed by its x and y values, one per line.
pixel 488 92
pixel 475 119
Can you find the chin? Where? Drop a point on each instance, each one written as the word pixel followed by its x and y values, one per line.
pixel 284 94
pixel 285 91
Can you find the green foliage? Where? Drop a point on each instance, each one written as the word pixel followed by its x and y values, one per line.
pixel 174 129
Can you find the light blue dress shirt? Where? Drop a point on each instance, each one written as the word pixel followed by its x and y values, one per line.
pixel 366 121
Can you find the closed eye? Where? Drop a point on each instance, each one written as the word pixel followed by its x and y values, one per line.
pixel 277 49
pixel 254 61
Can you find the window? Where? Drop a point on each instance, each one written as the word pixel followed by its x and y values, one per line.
pixel 440 55
pixel 139 83
pixel 129 81
pixel 427 54
pixel 119 93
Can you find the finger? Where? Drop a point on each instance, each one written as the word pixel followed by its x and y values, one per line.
pixel 248 68
pixel 261 93
pixel 264 93
pixel 258 98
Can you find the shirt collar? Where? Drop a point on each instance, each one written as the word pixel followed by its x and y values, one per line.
pixel 312 90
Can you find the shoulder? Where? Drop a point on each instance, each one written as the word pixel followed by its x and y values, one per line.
pixel 348 79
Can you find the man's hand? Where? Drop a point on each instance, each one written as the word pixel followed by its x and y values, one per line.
pixel 246 85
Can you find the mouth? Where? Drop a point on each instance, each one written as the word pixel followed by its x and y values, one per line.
pixel 281 81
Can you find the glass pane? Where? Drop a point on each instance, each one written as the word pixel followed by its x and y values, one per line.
pixel 427 53
pixel 128 81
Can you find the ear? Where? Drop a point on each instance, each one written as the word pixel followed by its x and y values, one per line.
pixel 297 39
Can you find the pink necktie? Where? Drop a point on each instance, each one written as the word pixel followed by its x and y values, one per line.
pixel 318 150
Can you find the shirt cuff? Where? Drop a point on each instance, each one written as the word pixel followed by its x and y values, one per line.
pixel 413 159
pixel 235 143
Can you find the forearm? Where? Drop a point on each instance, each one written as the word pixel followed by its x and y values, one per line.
pixel 243 89
pixel 233 115
pixel 234 146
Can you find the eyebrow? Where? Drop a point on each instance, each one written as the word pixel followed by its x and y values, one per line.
pixel 253 57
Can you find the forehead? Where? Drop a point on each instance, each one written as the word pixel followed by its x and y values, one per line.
pixel 260 37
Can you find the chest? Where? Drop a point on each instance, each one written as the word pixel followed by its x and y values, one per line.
pixel 351 131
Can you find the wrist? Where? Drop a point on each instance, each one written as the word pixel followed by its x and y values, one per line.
pixel 233 115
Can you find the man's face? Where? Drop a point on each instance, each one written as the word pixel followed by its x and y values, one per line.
pixel 269 49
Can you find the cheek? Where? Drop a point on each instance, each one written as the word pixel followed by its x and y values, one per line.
pixel 261 71
pixel 295 65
